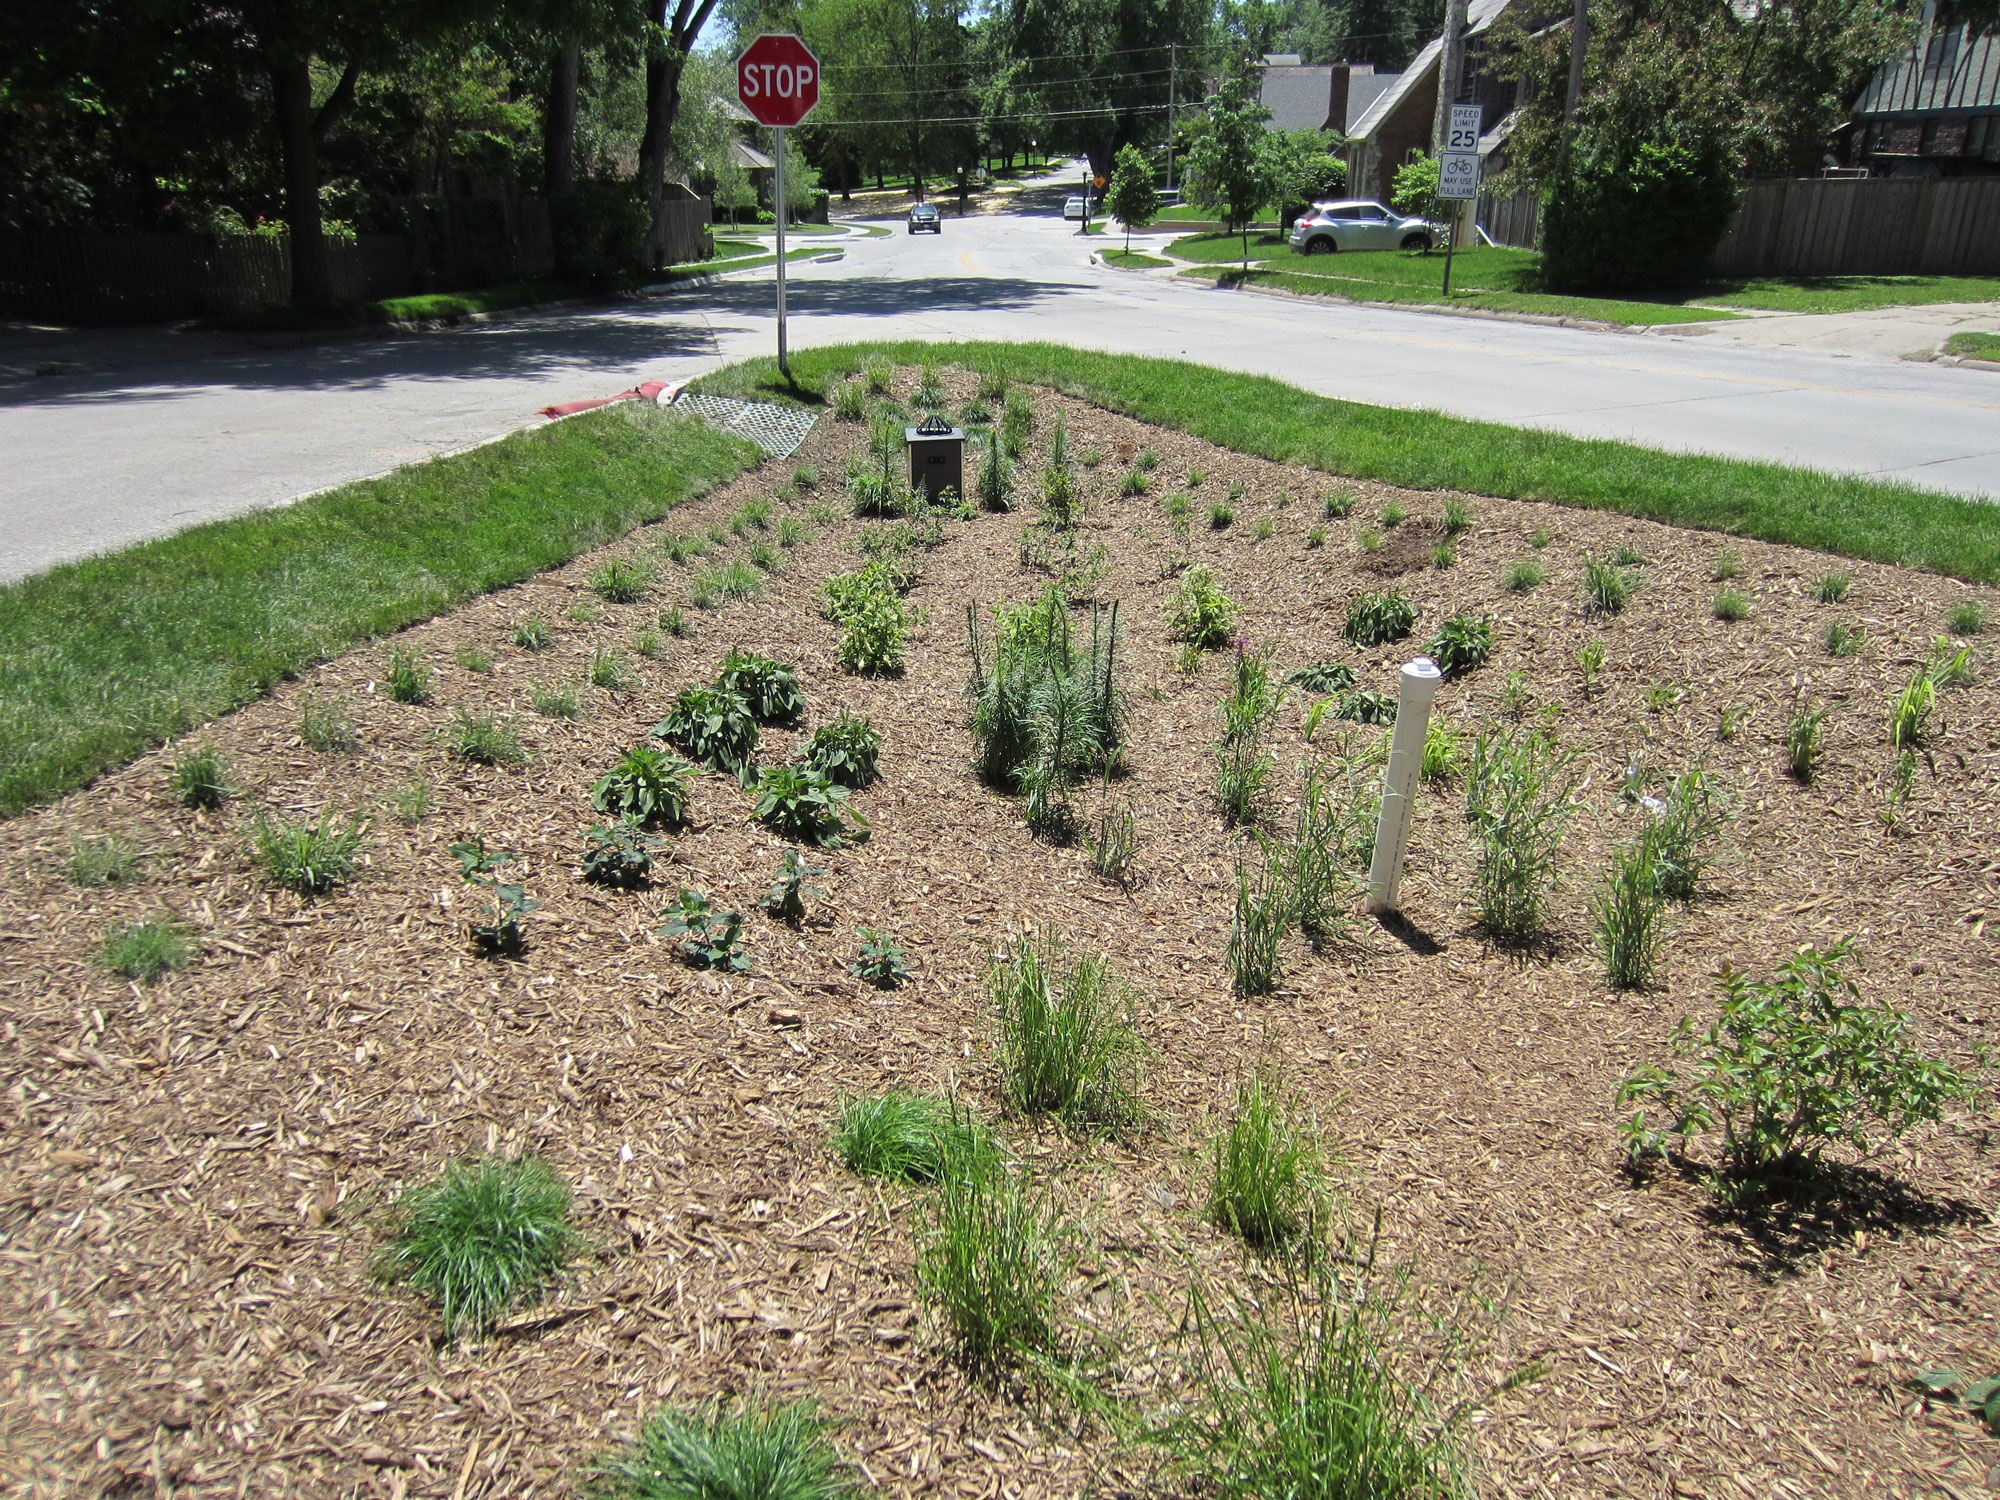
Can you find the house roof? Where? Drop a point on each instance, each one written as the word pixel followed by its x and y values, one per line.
pixel 1296 96
pixel 1942 70
pixel 1363 89
pixel 1479 15
pixel 748 156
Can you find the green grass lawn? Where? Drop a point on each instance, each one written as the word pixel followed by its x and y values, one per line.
pixel 1187 213
pixel 1133 259
pixel 1974 345
pixel 101 659
pixel 1893 523
pixel 1831 294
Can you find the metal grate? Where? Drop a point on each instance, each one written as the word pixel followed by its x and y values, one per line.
pixel 778 430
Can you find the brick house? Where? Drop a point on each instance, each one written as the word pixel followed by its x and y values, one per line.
pixel 1396 125
pixel 1932 111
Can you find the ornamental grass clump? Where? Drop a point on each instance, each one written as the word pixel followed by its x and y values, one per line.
pixel 309 858
pixel 201 778
pixel 1046 708
pixel 1629 916
pixel 1517 799
pixel 1686 833
pixel 1791 1066
pixel 481 1239
pixel 1265 1185
pixel 146 950
pixel 105 861
pixel 991 1256
pixel 1064 1035
pixel 722 1451
pixel 903 1137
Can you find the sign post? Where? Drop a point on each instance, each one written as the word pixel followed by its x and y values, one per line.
pixel 1458 173
pixel 777 78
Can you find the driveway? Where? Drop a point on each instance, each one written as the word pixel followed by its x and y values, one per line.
pixel 142 434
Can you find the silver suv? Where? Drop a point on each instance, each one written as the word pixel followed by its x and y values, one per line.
pixel 1358 224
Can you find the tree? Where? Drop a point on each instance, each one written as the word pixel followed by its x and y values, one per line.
pixel 1303 169
pixel 1133 199
pixel 1416 190
pixel 672 35
pixel 1229 170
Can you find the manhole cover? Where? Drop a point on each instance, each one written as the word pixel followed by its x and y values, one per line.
pixel 778 430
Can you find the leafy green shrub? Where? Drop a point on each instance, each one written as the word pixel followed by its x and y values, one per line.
pixel 708 937
pixel 486 739
pixel 622 580
pixel 1831 588
pixel 619 855
pixel 1517 798
pixel 908 1138
pixel 716 1452
pixel 1066 1045
pixel 875 636
pixel 481 1239
pixel 881 960
pixel 1629 916
pixel 1324 677
pixel 201 778
pixel 1202 615
pixel 989 1264
pixel 806 806
pixel 1606 588
pixel 1524 577
pixel 844 750
pixel 1366 706
pixel 1257 930
pixel 1792 1065
pixel 1264 1178
pixel 769 689
pixel 1376 619
pixel 647 786
pixel 325 725
pixel 1629 214
pixel 1046 708
pixel 408 679
pixel 507 902
pixel 715 728
pixel 1462 643
pixel 309 858
pixel 532 634
pixel 786 899
pixel 146 950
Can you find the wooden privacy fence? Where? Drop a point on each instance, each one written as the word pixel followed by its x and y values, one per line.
pixel 1876 226
pixel 1513 220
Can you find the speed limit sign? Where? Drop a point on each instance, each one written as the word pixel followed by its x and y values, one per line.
pixel 1463 133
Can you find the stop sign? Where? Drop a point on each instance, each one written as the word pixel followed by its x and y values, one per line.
pixel 777 78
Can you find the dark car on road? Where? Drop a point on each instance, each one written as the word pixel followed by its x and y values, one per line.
pixel 925 216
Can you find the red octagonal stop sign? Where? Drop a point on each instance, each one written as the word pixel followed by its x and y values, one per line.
pixel 777 78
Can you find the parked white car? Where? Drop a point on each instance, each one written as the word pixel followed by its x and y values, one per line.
pixel 1358 224
pixel 1076 207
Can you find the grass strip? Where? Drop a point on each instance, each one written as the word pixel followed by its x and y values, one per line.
pixel 1974 345
pixel 695 269
pixel 104 658
pixel 1133 259
pixel 1254 414
pixel 1351 289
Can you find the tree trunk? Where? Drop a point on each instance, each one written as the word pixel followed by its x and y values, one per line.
pixel 298 141
pixel 559 124
pixel 663 102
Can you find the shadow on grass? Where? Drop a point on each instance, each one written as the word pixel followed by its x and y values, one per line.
pixel 1788 1217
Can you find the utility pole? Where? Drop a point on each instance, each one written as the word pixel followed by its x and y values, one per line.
pixel 1173 92
pixel 1451 67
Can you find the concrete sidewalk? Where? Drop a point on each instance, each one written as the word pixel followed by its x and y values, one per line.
pixel 1880 333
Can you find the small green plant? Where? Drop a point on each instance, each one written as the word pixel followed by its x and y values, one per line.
pixel 201 778
pixel 487 739
pixel 805 806
pixel 1064 1036
pixel 1366 706
pixel 413 800
pixel 622 580
pixel 849 400
pixel 1114 843
pixel 1457 516
pixel 1841 639
pixel 680 547
pixel 1629 917
pixel 1910 714
pixel 1376 619
pixel 786 899
pixel 1462 643
pixel 874 635
pixel 408 678
pixel 1805 739
pixel 1901 786
pixel 608 671
pixel 1257 929
pixel 481 1239
pixel 715 728
pixel 708 938
pixel 1444 754
pixel 1253 701
pixel 1264 1171
pixel 648 644
pixel 1687 830
pixel 793 531
pixel 1323 677
pixel 977 412
pixel 1517 799
pixel 1792 1065
pixel 805 477
pixel 1335 504
pixel 1264 530
pixel 844 750
pixel 1730 605
pixel 1727 563
pixel 1236 490
pixel 1831 588
pixel 1201 615
pixel 1730 719
pixel 769 689
pixel 532 634
pixel 1443 556
pixel 563 702
pixel 765 555
pixel 1241 769
pixel 309 858
pixel 1513 698
pixel 719 1451
pixel 1369 540
pixel 1315 536
pixel 1135 483
pixel 619 854
pixel 756 513
pixel 1950 668
pixel 1627 556
pixel 581 611
pixel 881 959
pixel 1539 538
pixel 701 590
pixel 908 1138
pixel 675 623
pixel 1607 588
pixel 1392 516
pixel 1220 515
pixel 146 950
pixel 880 378
pixel 647 786
pixel 326 725
pixel 994 486
pixel 1661 696
pixel 1524 576
pixel 1148 460
pixel 1967 617
pixel 989 1265
pixel 1590 662
pixel 508 902
pixel 734 580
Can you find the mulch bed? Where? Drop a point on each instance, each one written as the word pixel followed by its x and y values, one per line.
pixel 193 1170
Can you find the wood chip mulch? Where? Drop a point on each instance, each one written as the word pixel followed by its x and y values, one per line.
pixel 194 1170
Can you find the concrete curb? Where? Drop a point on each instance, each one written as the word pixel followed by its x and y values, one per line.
pixel 1540 320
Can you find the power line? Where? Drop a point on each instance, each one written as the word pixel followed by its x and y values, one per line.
pixel 1054 114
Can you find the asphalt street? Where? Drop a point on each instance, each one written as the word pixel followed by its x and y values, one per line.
pixel 145 433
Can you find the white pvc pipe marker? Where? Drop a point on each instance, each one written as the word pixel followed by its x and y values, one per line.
pixel 1419 686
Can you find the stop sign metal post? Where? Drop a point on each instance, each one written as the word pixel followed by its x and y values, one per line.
pixel 777 78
